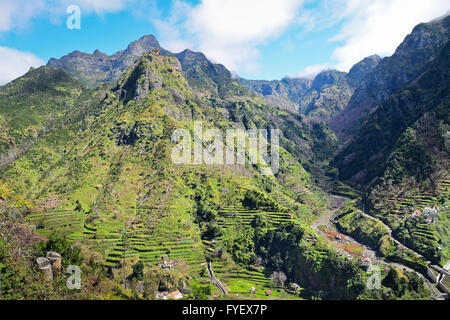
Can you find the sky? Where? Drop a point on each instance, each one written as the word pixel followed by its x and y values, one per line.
pixel 255 39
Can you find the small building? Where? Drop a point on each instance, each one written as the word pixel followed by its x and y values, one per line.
pixel 366 263
pixel 168 265
pixel 252 290
pixel 176 295
pixel 430 211
pixel 161 295
pixel 294 287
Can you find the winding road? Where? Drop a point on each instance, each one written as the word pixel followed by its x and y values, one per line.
pixel 327 220
pixel 397 242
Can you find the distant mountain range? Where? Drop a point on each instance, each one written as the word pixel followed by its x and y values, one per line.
pixel 348 102
pixel 97 68
pixel 88 141
pixel 321 97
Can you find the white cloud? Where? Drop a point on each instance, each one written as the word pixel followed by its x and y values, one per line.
pixel 311 72
pixel 378 27
pixel 171 30
pixel 229 31
pixel 18 13
pixel 98 6
pixel 15 63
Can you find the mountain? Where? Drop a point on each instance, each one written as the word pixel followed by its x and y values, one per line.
pixel 33 105
pixel 420 47
pixel 399 157
pixel 207 77
pixel 107 182
pixel 323 97
pixel 285 93
pixel 361 69
pixel 97 68
pixel 88 171
pixel 423 104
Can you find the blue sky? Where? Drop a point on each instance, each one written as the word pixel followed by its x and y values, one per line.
pixel 257 39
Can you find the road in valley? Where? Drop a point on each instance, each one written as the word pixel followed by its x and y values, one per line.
pixel 327 220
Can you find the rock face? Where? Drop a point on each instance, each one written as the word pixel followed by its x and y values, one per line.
pixel 56 260
pixel 322 97
pixel 97 68
pixel 45 267
pixel 419 48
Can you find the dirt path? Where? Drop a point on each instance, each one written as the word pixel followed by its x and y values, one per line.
pixel 337 202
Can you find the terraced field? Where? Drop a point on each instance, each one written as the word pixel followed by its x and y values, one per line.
pixel 113 238
pixel 418 201
pixel 235 216
pixel 240 280
pixel 65 221
pixel 433 234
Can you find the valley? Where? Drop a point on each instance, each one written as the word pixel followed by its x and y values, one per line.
pixel 357 209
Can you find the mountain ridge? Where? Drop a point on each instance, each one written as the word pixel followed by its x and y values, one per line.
pixel 419 47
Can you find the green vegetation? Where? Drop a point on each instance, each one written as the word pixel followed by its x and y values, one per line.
pixel 353 222
pixel 96 182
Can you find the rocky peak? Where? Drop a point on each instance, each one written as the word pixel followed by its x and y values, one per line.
pixel 98 53
pixel 359 70
pixel 144 44
pixel 148 73
pixel 328 77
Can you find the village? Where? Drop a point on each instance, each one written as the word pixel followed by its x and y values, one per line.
pixel 429 214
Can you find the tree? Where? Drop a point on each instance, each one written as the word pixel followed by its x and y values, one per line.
pixel 138 270
pixel 278 278
pixel 200 292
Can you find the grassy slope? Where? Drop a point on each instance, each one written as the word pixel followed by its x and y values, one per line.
pixel 130 187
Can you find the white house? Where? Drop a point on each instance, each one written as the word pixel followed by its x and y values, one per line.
pixel 430 211
pixel 176 295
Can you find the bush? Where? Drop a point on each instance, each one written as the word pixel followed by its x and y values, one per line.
pixel 256 200
pixel 138 270
pixel 200 292
pixel 71 254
